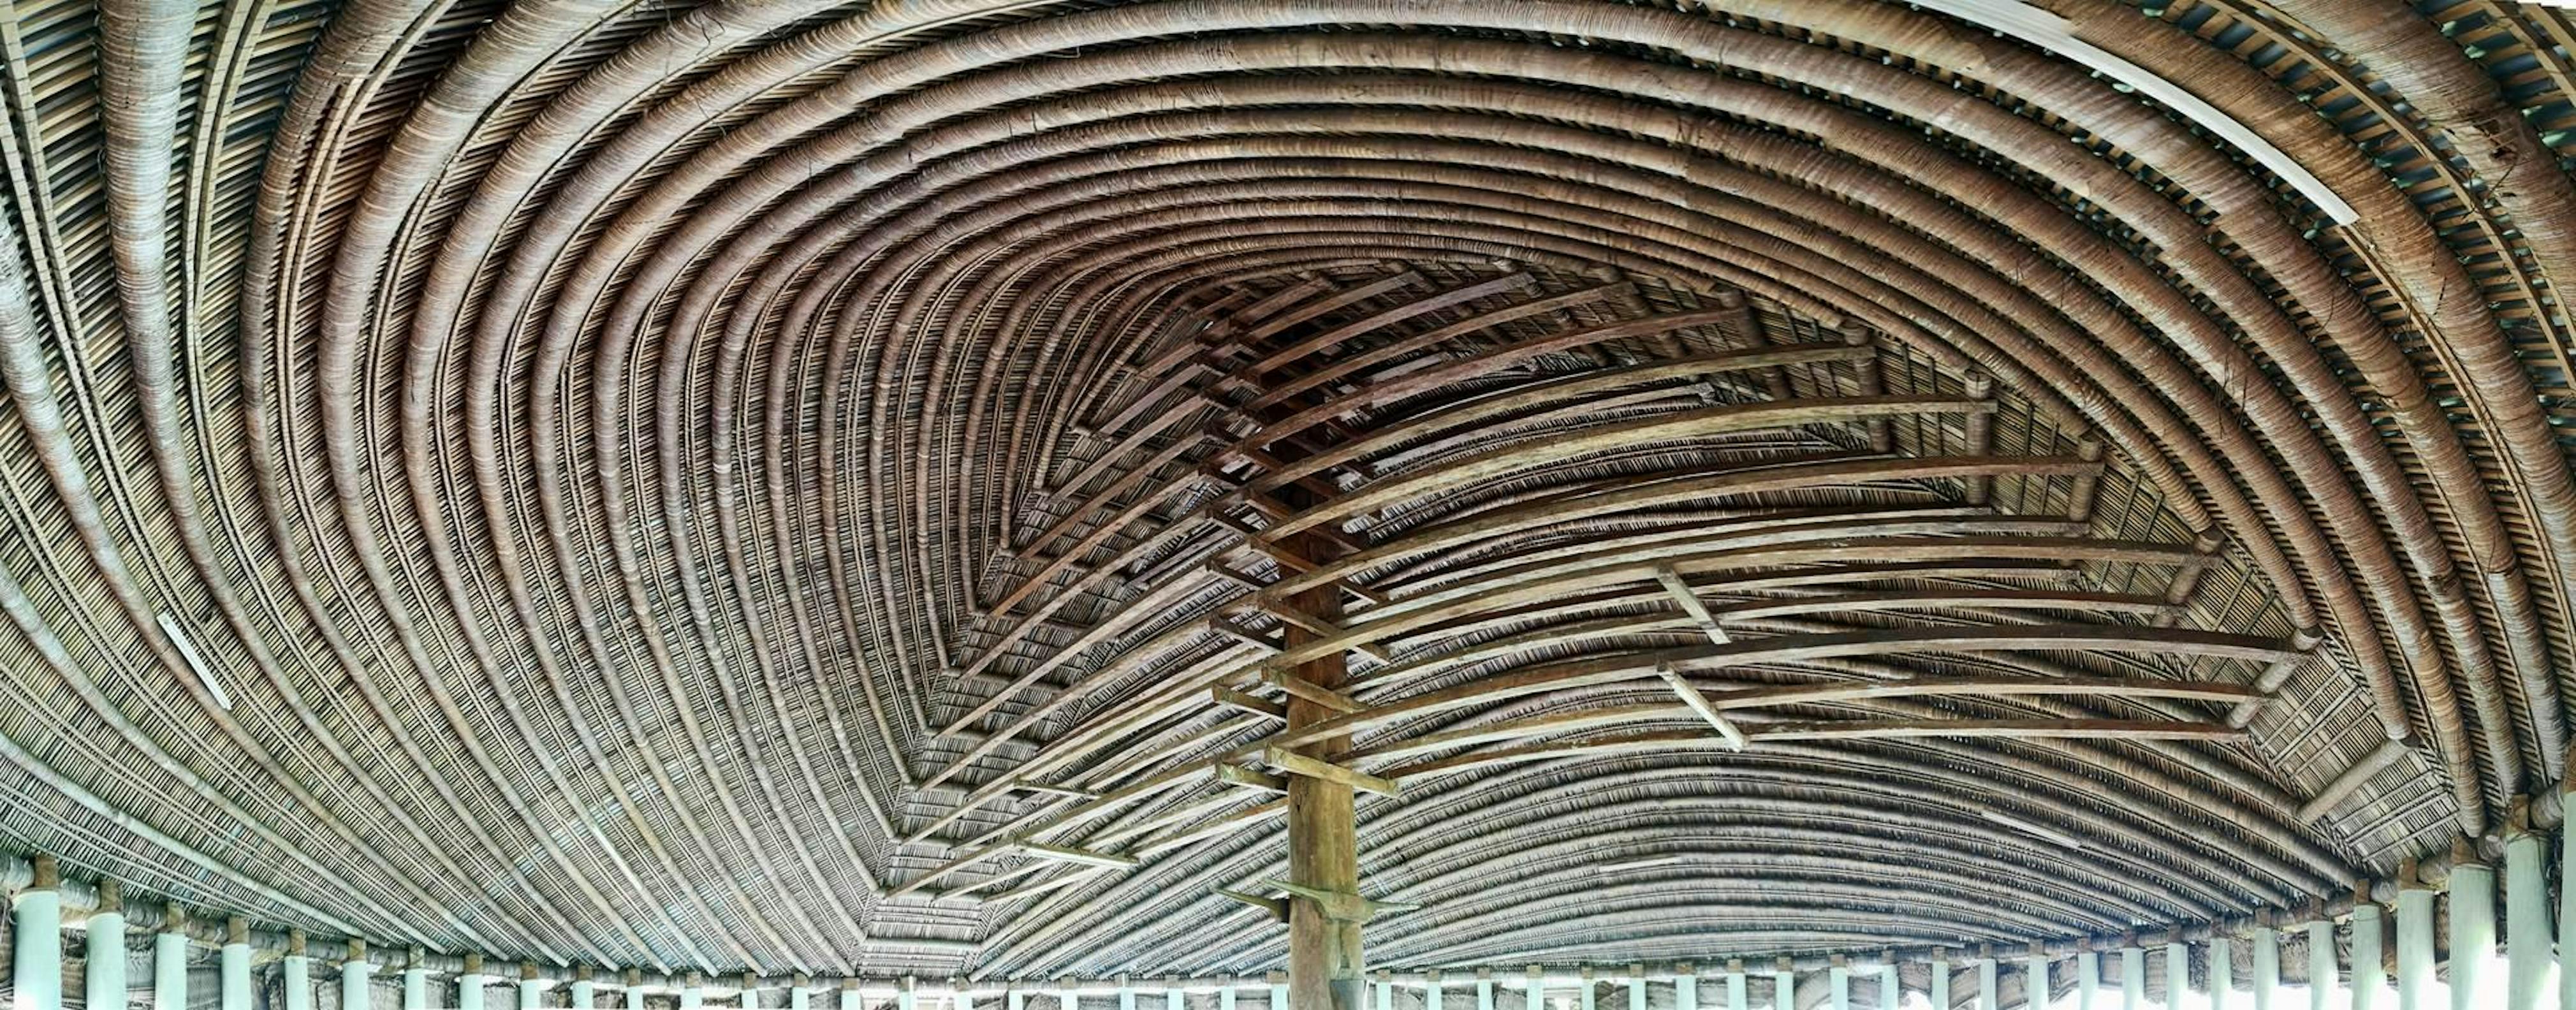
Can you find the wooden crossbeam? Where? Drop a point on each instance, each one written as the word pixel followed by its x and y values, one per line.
pixel 1234 699
pixel 1316 693
pixel 1317 626
pixel 1316 768
pixel 1044 886
pixel 1726 728
pixel 1690 603
pixel 1072 855
pixel 1237 775
pixel 1236 630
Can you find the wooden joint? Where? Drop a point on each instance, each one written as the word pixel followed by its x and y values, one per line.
pixel 1298 687
pixel 1726 728
pixel 1073 855
pixel 1277 908
pixel 1237 775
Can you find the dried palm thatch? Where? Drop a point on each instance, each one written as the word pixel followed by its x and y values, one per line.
pixel 781 487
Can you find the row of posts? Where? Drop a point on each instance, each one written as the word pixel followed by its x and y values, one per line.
pixel 2529 977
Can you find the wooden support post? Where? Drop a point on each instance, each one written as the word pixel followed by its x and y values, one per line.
pixel 103 951
pixel 2530 970
pixel 1324 965
pixel 354 974
pixel 1636 987
pixel 2414 940
pixel 2177 971
pixel 295 974
pixel 2472 894
pixel 2088 977
pixel 170 962
pixel 1534 994
pixel 2267 962
pixel 1784 985
pixel 235 993
pixel 1981 438
pixel 36 965
pixel 1990 995
pixel 1737 994
pixel 2369 970
pixel 415 982
pixel 1891 988
pixel 1431 990
pixel 1589 989
pixel 1685 987
pixel 2034 978
pixel 632 998
pixel 1856 334
pixel 2325 970
pixel 2222 973
pixel 585 992
pixel 1484 989
pixel 2133 974
pixel 2088 484
pixel 1940 981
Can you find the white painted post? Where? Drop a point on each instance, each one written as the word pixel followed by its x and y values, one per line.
pixel 1278 997
pixel 2529 966
pixel 170 962
pixel 1013 1000
pixel 2088 978
pixel 800 992
pixel 355 974
pixel 2222 972
pixel 2133 975
pixel 1636 987
pixel 1430 991
pixel 693 993
pixel 1589 988
pixel 2369 973
pixel 2177 973
pixel 235 992
pixel 2325 973
pixel 1386 994
pixel 2267 963
pixel 103 951
pixel 1784 985
pixel 36 964
pixel 585 993
pixel 1990 994
pixel 532 991
pixel 2414 941
pixel 1172 999
pixel 1838 984
pixel 1484 989
pixel 1685 987
pixel 1739 994
pixel 1891 990
pixel 2034 979
pixel 1939 990
pixel 415 983
pixel 1534 990
pixel 849 997
pixel 469 985
pixel 1224 997
pixel 2472 931
pixel 295 974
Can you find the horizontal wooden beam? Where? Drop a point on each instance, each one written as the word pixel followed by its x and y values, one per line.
pixel 1316 768
pixel 1072 855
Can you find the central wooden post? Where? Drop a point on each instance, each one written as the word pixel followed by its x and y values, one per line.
pixel 1324 968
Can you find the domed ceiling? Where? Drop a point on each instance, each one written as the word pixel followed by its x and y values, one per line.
pixel 857 488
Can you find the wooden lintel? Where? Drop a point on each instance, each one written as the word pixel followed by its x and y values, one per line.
pixel 1237 775
pixel 1232 698
pixel 1072 855
pixel 1316 768
pixel 1726 728
pixel 1320 695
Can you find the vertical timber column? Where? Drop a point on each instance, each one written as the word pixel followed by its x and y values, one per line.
pixel 1590 990
pixel 296 973
pixel 800 993
pixel 1324 966
pixel 103 952
pixel 354 975
pixel 2325 973
pixel 36 965
pixel 585 993
pixel 1484 989
pixel 2133 974
pixel 236 992
pixel 1838 984
pixel 1939 990
pixel 2034 979
pixel 2222 972
pixel 1430 991
pixel 1891 991
pixel 1685 987
pixel 2088 977
pixel 633 996
pixel 2472 887
pixel 2177 970
pixel 532 992
pixel 2529 966
pixel 170 960
pixel 1737 996
pixel 1636 987
pixel 2414 940
pixel 1784 985
pixel 469 984
pixel 2369 971
pixel 2267 962
pixel 415 982
pixel 1990 983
